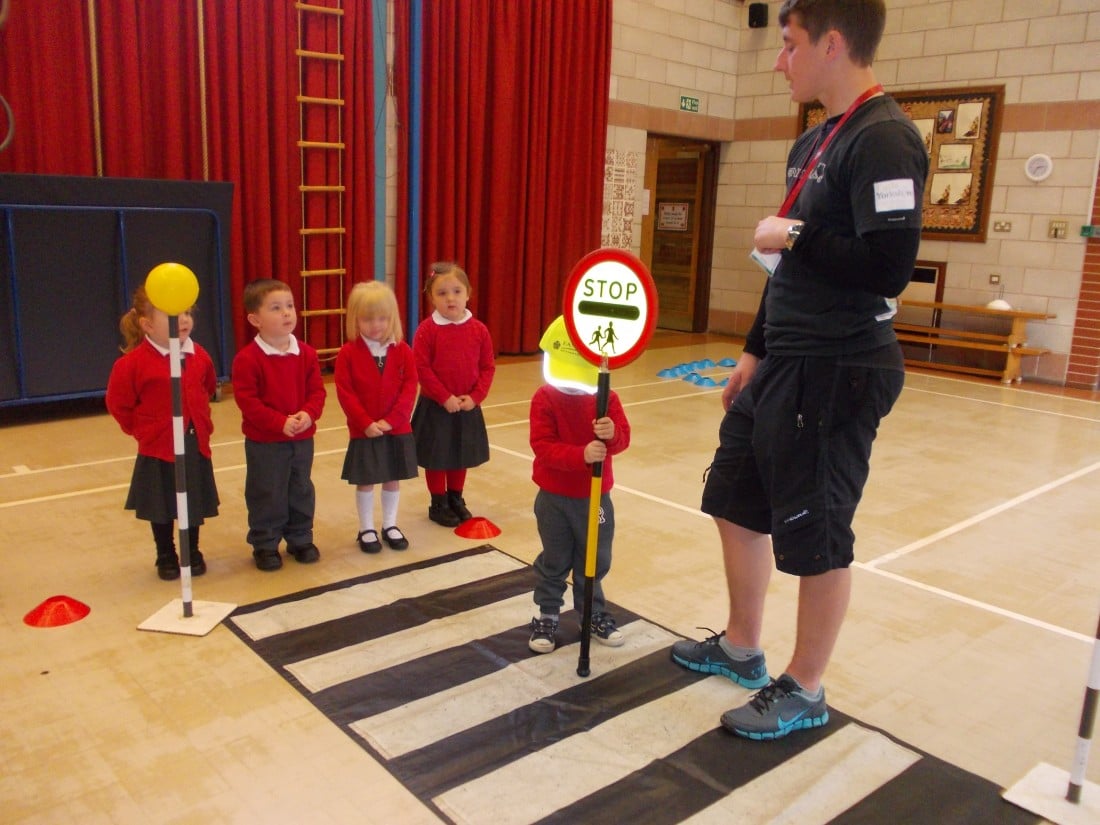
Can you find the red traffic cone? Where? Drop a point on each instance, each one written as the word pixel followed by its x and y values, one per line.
pixel 57 611
pixel 477 528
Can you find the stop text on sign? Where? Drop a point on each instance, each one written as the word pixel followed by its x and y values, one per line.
pixel 617 291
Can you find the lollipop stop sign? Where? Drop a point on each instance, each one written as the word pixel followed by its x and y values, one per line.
pixel 610 307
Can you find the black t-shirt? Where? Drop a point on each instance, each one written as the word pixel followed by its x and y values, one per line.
pixel 870 178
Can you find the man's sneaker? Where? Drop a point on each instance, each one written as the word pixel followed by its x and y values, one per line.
pixel 542 635
pixel 707 656
pixel 777 710
pixel 605 631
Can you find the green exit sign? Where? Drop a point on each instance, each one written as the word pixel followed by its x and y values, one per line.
pixel 689 104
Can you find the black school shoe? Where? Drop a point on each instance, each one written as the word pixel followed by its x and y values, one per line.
pixel 198 563
pixel 368 542
pixel 394 538
pixel 458 506
pixel 303 553
pixel 440 512
pixel 168 567
pixel 267 559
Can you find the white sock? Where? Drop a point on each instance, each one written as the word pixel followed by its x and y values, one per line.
pixel 390 498
pixel 364 503
pixel 738 654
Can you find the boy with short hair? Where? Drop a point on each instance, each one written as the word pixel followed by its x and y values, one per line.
pixel 277 385
pixel 567 440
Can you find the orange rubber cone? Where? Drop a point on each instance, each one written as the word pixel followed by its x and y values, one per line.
pixel 477 528
pixel 57 611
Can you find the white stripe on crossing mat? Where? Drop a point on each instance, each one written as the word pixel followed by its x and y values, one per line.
pixel 535 786
pixel 418 724
pixel 816 785
pixel 347 601
pixel 328 669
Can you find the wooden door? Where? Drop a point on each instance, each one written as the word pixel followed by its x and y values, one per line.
pixel 678 229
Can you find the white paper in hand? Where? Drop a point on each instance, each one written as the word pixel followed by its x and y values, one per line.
pixel 768 262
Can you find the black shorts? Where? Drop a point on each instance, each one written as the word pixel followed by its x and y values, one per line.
pixel 794 453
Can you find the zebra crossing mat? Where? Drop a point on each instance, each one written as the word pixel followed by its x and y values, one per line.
pixel 426 667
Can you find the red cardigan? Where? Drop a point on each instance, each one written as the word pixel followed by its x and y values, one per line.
pixel 139 396
pixel 367 394
pixel 561 427
pixel 268 388
pixel 454 359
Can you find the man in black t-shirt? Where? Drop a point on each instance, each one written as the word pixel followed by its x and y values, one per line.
pixel 821 365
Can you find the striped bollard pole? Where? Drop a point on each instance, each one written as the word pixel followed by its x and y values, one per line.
pixel 1084 731
pixel 180 449
pixel 173 288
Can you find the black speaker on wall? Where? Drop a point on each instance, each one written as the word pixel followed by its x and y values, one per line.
pixel 758 15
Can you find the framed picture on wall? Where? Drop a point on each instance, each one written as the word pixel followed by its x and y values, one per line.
pixel 961 129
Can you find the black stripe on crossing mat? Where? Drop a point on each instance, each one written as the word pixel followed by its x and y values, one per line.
pixel 374 623
pixel 476 751
pixel 933 792
pixel 383 690
pixel 690 779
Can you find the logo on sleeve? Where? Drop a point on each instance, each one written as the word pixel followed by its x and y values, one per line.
pixel 895 195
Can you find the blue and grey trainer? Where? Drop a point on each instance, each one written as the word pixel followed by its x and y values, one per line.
pixel 707 656
pixel 783 706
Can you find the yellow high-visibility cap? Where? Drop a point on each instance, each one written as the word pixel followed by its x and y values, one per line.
pixel 563 364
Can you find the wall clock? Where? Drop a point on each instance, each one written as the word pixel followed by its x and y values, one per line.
pixel 1038 167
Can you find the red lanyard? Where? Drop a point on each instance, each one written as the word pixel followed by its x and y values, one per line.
pixel 792 195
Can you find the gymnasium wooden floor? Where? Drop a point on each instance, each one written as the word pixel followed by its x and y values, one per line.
pixel 976 595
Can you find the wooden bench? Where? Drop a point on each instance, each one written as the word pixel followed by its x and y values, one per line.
pixel 1012 344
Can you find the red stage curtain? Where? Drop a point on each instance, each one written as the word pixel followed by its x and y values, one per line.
pixel 401 88
pixel 252 81
pixel 514 150
pixel 151 121
pixel 150 103
pixel 45 77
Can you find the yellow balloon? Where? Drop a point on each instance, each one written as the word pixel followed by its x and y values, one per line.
pixel 172 288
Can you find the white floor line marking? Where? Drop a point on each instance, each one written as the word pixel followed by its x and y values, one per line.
pixel 992 403
pixel 24 470
pixel 62 496
pixel 986 606
pixel 626 405
pixel 872 566
pixel 980 517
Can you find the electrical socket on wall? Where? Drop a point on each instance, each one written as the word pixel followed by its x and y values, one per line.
pixel 994 278
pixel 1002 226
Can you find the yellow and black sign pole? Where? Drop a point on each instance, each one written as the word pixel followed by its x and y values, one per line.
pixel 610 312
pixel 603 390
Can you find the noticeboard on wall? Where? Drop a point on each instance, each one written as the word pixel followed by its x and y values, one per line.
pixel 960 129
